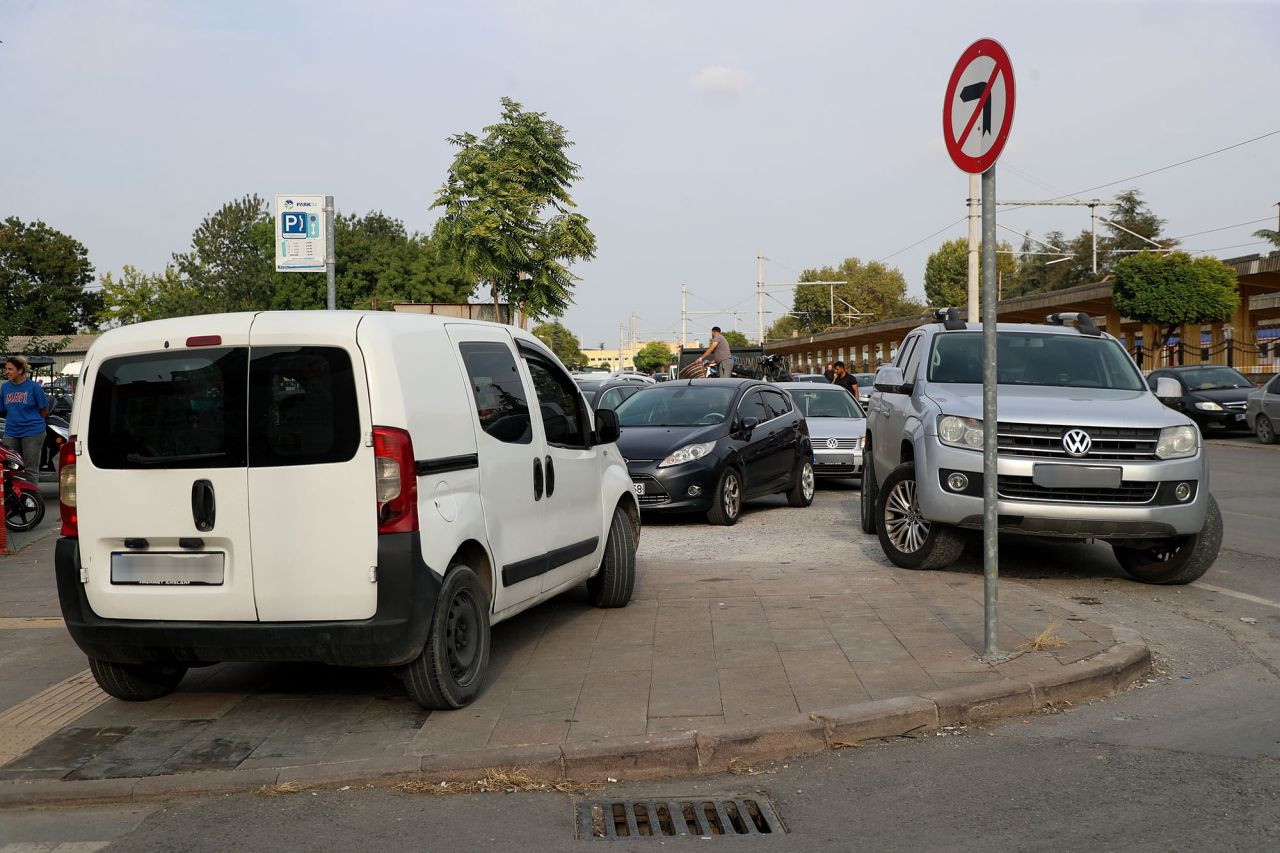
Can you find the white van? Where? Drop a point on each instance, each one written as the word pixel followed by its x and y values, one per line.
pixel 354 488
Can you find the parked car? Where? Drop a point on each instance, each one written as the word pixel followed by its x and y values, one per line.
pixel 707 445
pixel 837 425
pixel 866 386
pixel 608 393
pixel 1262 411
pixel 1213 395
pixel 810 377
pixel 293 486
pixel 1084 450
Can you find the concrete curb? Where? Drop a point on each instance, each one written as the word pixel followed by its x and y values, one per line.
pixel 712 750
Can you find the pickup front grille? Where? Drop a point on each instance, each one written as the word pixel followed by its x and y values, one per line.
pixel 1025 489
pixel 1044 441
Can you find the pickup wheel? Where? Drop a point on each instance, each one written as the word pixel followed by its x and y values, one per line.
pixel 1265 429
pixel 451 668
pixel 613 584
pixel 868 489
pixel 1179 560
pixel 909 539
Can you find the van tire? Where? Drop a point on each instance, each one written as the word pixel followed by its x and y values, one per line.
pixel 450 671
pixel 136 682
pixel 613 584
pixel 1176 561
pixel 803 485
pixel 868 490
pixel 911 541
pixel 726 501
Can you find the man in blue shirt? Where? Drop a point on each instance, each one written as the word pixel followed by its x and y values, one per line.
pixel 24 406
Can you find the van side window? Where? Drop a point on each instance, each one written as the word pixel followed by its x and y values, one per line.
pixel 180 409
pixel 302 406
pixel 501 405
pixel 559 405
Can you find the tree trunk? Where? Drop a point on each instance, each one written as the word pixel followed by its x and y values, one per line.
pixel 497 313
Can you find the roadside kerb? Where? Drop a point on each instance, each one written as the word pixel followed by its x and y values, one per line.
pixel 712 750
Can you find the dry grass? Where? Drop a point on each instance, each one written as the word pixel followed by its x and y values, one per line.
pixel 1046 639
pixel 496 781
pixel 281 789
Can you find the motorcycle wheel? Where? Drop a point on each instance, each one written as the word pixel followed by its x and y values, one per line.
pixel 23 512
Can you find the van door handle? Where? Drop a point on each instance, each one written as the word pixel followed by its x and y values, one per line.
pixel 203 506
pixel 551 476
pixel 537 479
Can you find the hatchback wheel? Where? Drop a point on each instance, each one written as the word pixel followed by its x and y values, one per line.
pixel 802 485
pixel 726 504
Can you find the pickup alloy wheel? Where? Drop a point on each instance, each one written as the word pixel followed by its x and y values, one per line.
pixel 908 538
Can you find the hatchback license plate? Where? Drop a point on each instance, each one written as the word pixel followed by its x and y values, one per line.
pixel 1077 476
pixel 167 569
pixel 639 487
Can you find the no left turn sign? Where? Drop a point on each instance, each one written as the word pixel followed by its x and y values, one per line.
pixel 977 112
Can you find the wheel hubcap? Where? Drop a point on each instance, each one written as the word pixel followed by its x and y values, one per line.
pixel 905 526
pixel 461 640
pixel 1264 429
pixel 732 496
pixel 806 481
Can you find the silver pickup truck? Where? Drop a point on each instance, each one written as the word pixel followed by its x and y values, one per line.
pixel 1085 450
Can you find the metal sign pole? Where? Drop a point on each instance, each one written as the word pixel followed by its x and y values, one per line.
pixel 330 263
pixel 990 544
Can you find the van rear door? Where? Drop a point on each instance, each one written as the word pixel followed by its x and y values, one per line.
pixel 312 499
pixel 162 478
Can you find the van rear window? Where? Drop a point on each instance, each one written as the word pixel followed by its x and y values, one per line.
pixel 212 408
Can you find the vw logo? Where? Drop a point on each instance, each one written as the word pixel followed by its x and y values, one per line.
pixel 1077 442
pixel 832 443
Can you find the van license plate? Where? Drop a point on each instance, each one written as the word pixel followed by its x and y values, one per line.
pixel 167 569
pixel 1077 476
pixel 639 487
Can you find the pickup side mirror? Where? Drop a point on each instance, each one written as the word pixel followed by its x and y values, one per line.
pixel 889 380
pixel 1168 390
pixel 607 429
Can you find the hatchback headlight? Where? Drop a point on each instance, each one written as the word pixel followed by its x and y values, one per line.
pixel 960 432
pixel 1208 406
pixel 1177 442
pixel 688 453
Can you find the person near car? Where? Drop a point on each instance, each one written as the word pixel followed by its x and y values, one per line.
pixel 830 372
pixel 718 354
pixel 845 379
pixel 24 406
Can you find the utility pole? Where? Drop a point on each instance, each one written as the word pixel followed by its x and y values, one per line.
pixel 1092 204
pixel 632 348
pixel 684 313
pixel 760 291
pixel 622 331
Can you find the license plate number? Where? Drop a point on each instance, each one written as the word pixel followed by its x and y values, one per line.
pixel 160 569
pixel 1077 476
pixel 639 487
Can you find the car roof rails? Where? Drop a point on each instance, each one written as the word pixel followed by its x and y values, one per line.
pixel 1082 322
pixel 950 319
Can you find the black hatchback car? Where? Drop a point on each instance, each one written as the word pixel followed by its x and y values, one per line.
pixel 707 445
pixel 1213 395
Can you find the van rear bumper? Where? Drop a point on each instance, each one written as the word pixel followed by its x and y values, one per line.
pixel 395 635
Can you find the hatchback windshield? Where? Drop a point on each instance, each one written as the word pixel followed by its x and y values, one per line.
pixel 677 405
pixel 819 403
pixel 1213 378
pixel 1034 358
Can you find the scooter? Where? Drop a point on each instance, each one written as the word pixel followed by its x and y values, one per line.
pixel 23 505
pixel 56 432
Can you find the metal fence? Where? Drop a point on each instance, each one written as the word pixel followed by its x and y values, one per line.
pixel 1255 359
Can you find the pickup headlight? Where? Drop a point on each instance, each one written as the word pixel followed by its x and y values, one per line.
pixel 1209 406
pixel 960 432
pixel 688 453
pixel 1177 442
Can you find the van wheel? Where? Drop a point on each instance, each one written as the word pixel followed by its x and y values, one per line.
pixel 1179 560
pixel 613 584
pixel 451 669
pixel 1266 432
pixel 136 682
pixel 909 539
pixel 868 490
pixel 802 487
pixel 726 503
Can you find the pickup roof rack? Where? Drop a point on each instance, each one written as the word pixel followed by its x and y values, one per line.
pixel 1082 322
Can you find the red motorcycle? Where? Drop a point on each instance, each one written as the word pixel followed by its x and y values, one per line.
pixel 23 505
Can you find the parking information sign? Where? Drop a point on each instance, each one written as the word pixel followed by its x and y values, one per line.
pixel 300 233
pixel 977 112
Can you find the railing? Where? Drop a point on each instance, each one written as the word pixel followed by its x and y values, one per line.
pixel 1252 359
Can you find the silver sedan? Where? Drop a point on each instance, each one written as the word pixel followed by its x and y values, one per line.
pixel 837 426
pixel 1262 410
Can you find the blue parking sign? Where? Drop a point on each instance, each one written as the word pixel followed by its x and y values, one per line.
pixel 294 226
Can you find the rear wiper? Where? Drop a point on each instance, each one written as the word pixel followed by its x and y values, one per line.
pixel 139 459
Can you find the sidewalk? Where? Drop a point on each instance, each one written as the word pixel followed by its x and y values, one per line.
pixel 711 664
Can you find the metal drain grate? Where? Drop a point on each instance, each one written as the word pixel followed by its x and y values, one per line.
pixel 696 816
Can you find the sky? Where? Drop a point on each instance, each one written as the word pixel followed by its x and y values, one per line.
pixel 706 132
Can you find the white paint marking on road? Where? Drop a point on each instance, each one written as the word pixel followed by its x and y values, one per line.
pixel 1243 596
pixel 27 723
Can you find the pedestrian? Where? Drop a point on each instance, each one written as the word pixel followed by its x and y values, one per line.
pixel 830 372
pixel 845 380
pixel 718 355
pixel 24 406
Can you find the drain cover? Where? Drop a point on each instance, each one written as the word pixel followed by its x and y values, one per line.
pixel 666 818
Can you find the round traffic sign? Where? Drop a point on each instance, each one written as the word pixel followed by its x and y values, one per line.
pixel 977 112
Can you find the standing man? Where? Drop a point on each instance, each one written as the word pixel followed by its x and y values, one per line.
pixel 718 355
pixel 845 380
pixel 24 406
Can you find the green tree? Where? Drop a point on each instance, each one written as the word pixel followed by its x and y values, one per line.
pixel 43 276
pixel 1269 234
pixel 875 291
pixel 784 327
pixel 946 273
pixel 230 265
pixel 562 342
pixel 736 339
pixel 1131 220
pixel 654 357
pixel 1174 289
pixel 138 296
pixel 508 214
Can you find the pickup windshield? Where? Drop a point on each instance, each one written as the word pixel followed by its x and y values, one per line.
pixel 1035 358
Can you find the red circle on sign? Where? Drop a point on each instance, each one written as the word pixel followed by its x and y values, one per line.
pixel 1003 68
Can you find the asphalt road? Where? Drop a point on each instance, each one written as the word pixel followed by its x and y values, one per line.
pixel 1189 761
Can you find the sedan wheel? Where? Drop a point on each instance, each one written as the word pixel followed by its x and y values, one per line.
pixel 1266 431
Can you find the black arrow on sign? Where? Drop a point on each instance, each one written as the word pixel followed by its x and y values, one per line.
pixel 971 93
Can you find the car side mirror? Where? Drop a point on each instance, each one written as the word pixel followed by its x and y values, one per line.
pixel 748 425
pixel 607 429
pixel 1168 390
pixel 889 380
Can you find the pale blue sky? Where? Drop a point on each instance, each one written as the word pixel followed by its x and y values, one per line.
pixel 705 130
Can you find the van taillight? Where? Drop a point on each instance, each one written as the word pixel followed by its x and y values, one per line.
pixel 396 480
pixel 67 488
